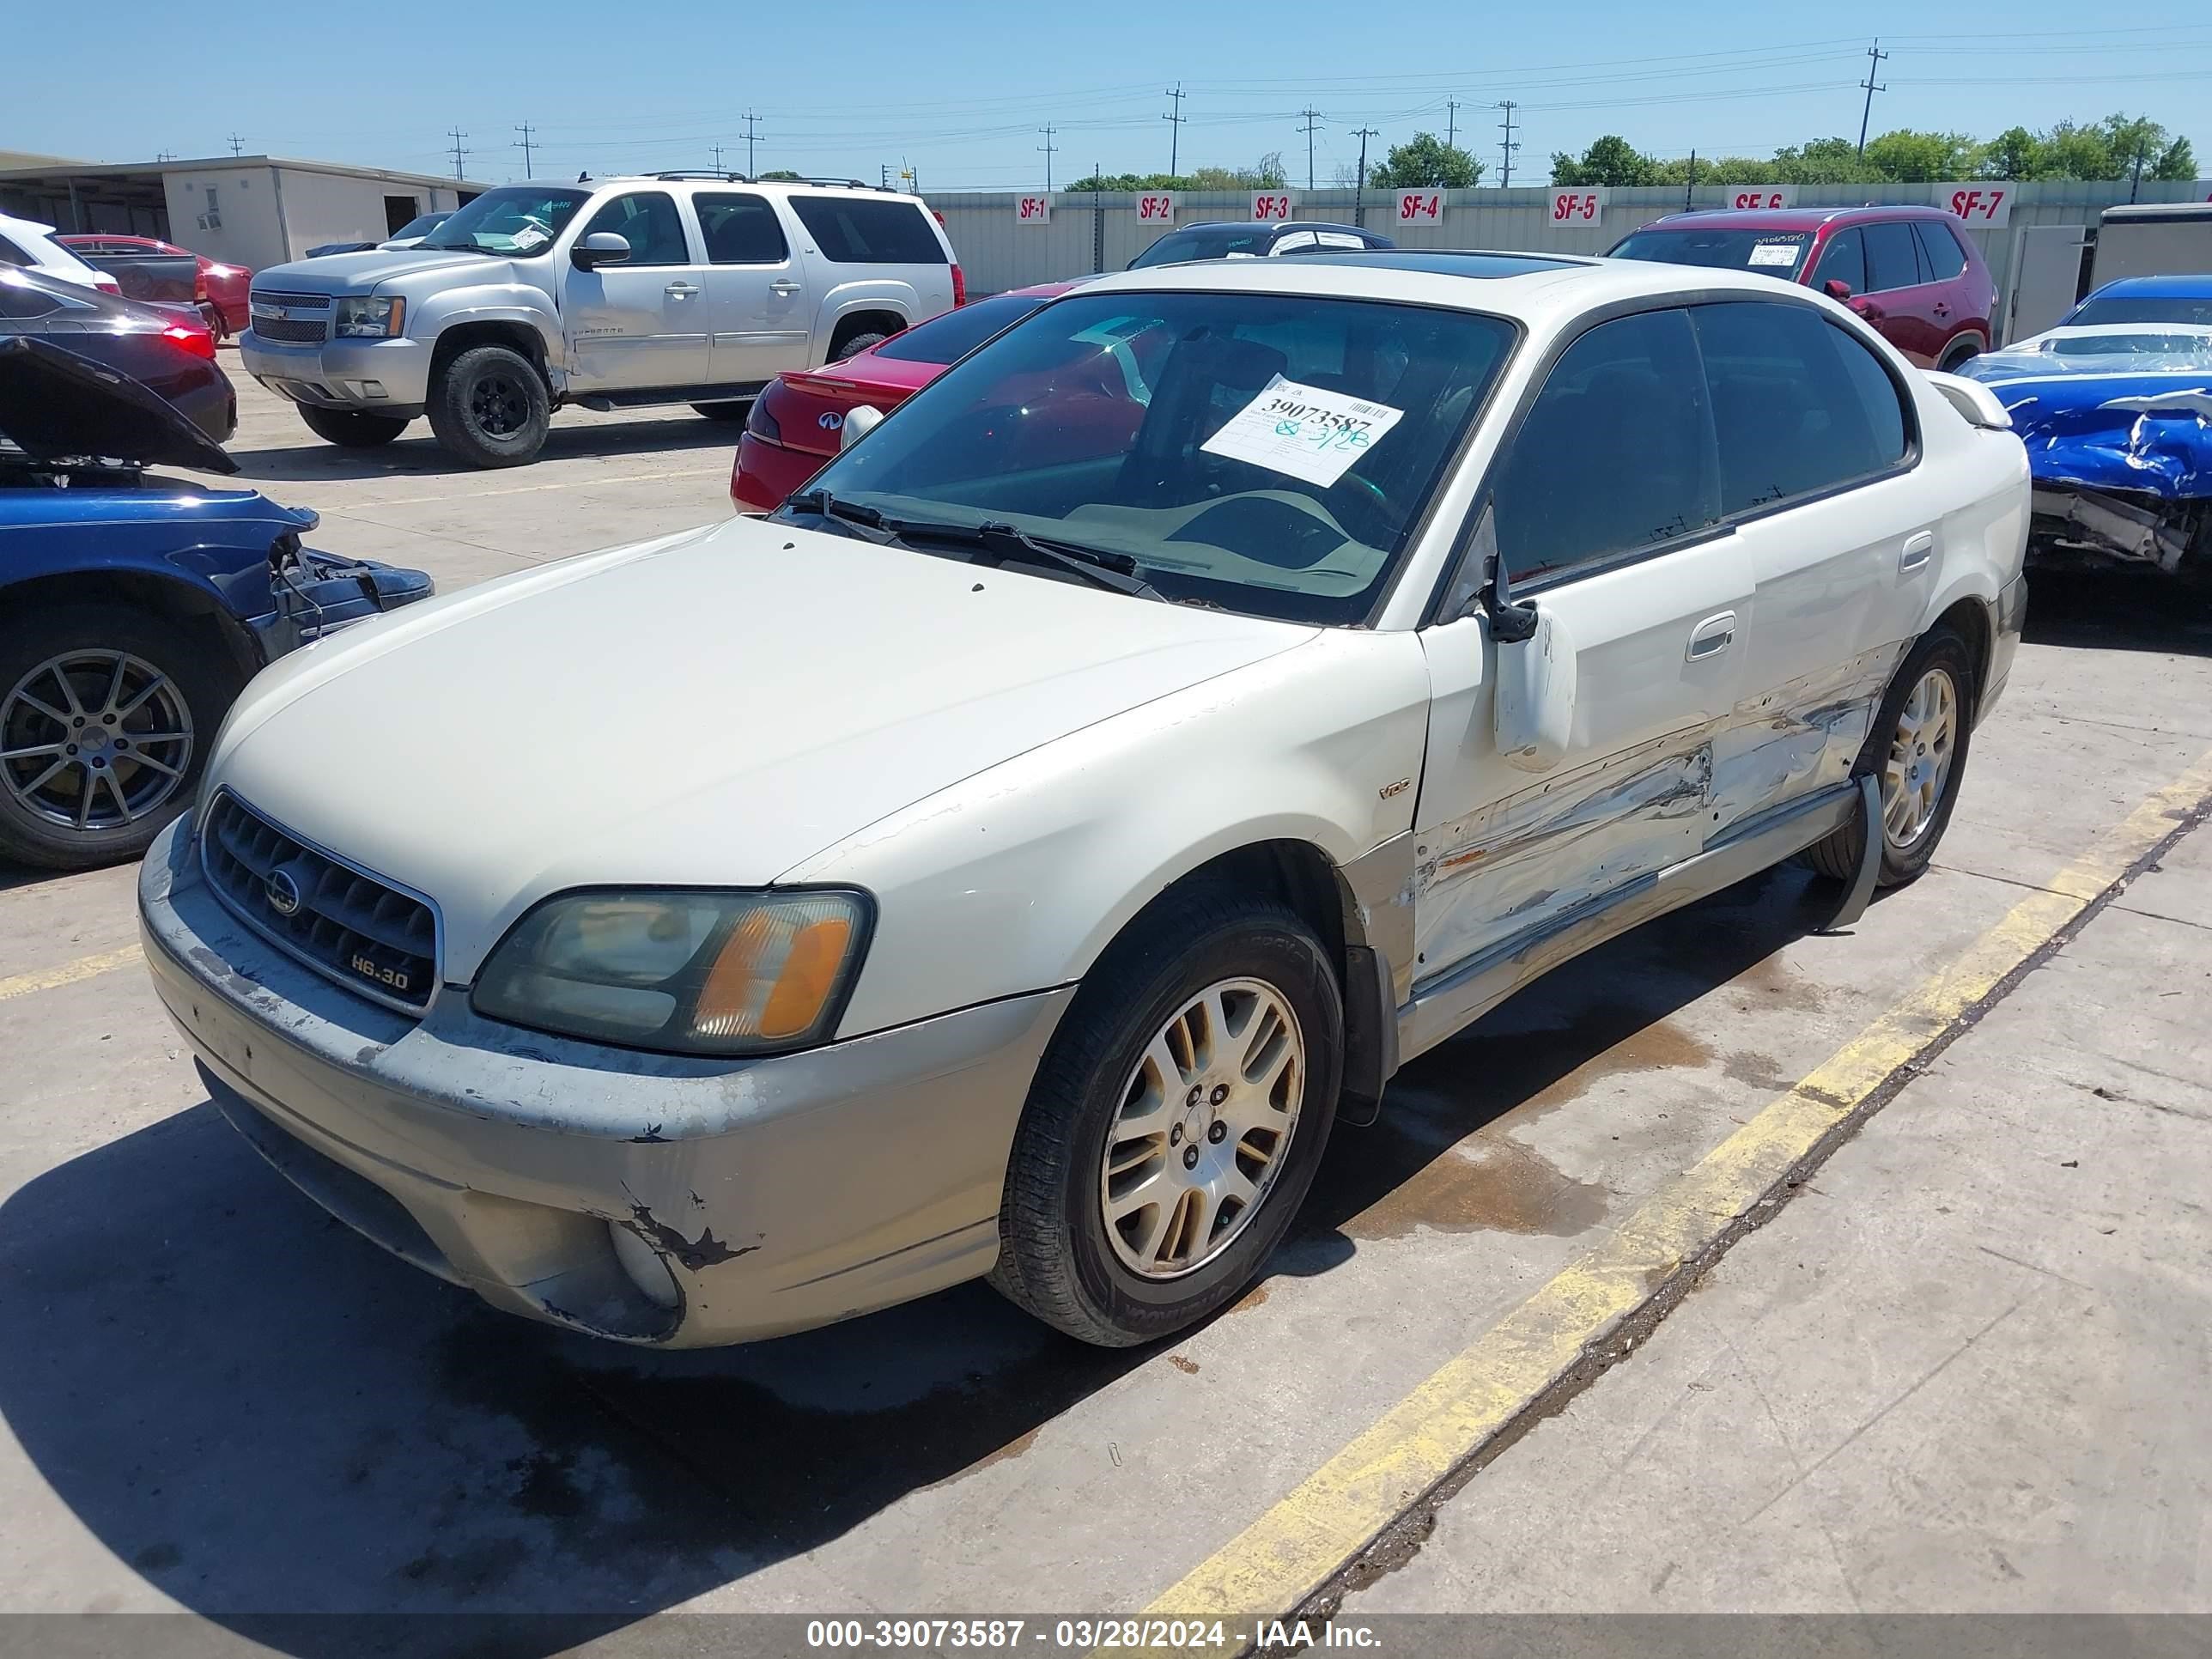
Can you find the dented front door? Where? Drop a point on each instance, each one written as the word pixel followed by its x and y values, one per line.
pixel 1659 646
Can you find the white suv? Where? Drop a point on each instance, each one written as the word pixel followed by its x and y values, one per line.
pixel 678 288
pixel 1016 855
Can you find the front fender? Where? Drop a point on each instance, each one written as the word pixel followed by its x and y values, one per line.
pixel 501 302
pixel 1016 878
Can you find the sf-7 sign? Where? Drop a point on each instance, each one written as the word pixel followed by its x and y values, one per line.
pixel 1983 206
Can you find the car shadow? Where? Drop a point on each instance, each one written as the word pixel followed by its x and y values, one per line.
pixel 2118 611
pixel 416 453
pixel 262 1413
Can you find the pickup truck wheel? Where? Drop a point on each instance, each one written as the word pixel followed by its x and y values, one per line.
pixel 1175 1121
pixel 858 343
pixel 352 429
pixel 490 408
pixel 1917 749
pixel 106 712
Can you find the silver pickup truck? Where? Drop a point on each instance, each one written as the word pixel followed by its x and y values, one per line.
pixel 675 289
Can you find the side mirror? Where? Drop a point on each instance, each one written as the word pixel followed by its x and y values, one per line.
pixel 1836 289
pixel 859 423
pixel 1535 700
pixel 601 247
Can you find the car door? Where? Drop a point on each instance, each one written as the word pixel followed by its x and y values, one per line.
pixel 1898 298
pixel 1602 508
pixel 641 324
pixel 1816 445
pixel 1953 304
pixel 757 308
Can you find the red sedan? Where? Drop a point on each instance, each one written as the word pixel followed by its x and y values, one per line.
pixel 797 422
pixel 219 290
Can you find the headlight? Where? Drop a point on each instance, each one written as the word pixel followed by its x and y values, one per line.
pixel 360 318
pixel 686 972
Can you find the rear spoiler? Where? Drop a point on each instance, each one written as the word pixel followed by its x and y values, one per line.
pixel 1975 402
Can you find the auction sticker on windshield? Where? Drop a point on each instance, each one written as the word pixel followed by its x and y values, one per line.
pixel 1774 253
pixel 1303 431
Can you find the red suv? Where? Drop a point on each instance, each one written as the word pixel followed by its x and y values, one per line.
pixel 1910 271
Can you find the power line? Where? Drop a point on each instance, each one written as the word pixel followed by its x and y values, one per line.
pixel 1508 145
pixel 752 134
pixel 525 145
pixel 1877 54
pixel 457 135
pixel 1175 129
pixel 1048 147
pixel 1313 120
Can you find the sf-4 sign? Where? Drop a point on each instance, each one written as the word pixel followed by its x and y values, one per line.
pixel 1156 210
pixel 1272 206
pixel 1033 209
pixel 1585 206
pixel 1420 207
pixel 1986 206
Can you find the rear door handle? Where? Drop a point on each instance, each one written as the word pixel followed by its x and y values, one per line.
pixel 1919 549
pixel 784 285
pixel 682 290
pixel 1712 637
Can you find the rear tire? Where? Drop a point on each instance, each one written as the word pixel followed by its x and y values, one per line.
pixel 1917 748
pixel 1964 352
pixel 730 413
pixel 352 428
pixel 170 681
pixel 490 408
pixel 1216 965
pixel 858 343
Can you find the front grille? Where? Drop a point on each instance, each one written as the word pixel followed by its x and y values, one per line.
pixel 292 331
pixel 269 296
pixel 357 928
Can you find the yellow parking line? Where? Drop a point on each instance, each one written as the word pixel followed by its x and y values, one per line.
pixel 1572 1327
pixel 22 984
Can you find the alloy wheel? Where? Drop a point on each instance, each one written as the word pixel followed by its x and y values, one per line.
pixel 1921 751
pixel 95 740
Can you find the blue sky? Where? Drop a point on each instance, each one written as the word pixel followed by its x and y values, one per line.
pixel 960 90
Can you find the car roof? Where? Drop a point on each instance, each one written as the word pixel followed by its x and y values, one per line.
pixel 1277 224
pixel 1771 219
pixel 2192 287
pixel 1533 288
pixel 707 181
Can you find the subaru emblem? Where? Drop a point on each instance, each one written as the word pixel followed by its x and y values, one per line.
pixel 830 421
pixel 283 893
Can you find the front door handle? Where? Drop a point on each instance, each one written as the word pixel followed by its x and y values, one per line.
pixel 1712 637
pixel 682 290
pixel 1919 549
pixel 783 285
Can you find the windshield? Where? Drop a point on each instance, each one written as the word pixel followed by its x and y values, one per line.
pixel 1205 242
pixel 1766 253
pixel 2143 308
pixel 420 225
pixel 2145 343
pixel 1267 454
pixel 519 219
pixel 948 338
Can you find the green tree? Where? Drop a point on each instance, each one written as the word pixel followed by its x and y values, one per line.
pixel 1427 162
pixel 1718 170
pixel 2068 151
pixel 1611 160
pixel 2162 156
pixel 781 173
pixel 1909 157
pixel 1268 174
pixel 1826 161
pixel 2015 152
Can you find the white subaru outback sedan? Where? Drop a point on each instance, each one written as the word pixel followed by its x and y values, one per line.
pixel 1016 856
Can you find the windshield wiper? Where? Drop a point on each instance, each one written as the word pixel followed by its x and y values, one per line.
pixel 822 505
pixel 1117 572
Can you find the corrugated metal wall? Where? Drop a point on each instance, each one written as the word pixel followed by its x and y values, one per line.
pixel 997 252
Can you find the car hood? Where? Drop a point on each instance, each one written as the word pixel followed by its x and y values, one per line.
pixel 2137 417
pixel 708 709
pixel 58 405
pixel 357 273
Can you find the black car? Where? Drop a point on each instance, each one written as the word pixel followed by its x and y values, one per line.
pixel 1231 239
pixel 168 349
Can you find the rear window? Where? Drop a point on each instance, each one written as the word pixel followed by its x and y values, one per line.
pixel 1210 242
pixel 948 338
pixel 2143 308
pixel 1765 253
pixel 1945 259
pixel 853 231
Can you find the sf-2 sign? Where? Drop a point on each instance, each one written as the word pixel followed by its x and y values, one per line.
pixel 1579 207
pixel 1272 206
pixel 1033 209
pixel 1156 210
pixel 1420 207
pixel 1985 206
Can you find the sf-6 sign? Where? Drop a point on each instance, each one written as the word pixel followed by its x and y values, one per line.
pixel 1156 210
pixel 1585 206
pixel 1744 197
pixel 1272 206
pixel 1986 206
pixel 1032 209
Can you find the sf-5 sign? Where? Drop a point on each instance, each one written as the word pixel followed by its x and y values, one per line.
pixel 1578 207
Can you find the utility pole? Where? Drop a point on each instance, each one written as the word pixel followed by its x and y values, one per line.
pixel 525 130
pixel 457 135
pixel 1690 183
pixel 715 150
pixel 1312 119
pixel 1877 54
pixel 1175 128
pixel 1048 147
pixel 237 145
pixel 752 135
pixel 1359 181
pixel 1451 121
pixel 1506 149
pixel 2134 178
pixel 887 174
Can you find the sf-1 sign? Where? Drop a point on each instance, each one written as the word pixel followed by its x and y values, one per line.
pixel 1578 207
pixel 1420 207
pixel 1273 207
pixel 1157 210
pixel 1983 206
pixel 1033 209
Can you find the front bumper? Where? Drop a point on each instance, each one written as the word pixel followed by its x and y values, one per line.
pixel 646 1198
pixel 317 594
pixel 382 377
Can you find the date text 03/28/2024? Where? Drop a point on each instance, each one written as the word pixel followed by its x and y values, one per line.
pixel 1084 1635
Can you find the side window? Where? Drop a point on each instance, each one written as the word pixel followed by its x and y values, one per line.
pixel 1297 242
pixel 647 220
pixel 1844 259
pixel 851 230
pixel 1799 406
pixel 1624 403
pixel 740 229
pixel 1892 257
pixel 20 303
pixel 1340 239
pixel 12 255
pixel 1939 246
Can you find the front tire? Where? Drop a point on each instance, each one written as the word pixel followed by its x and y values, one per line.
pixel 1177 1121
pixel 106 712
pixel 1917 749
pixel 857 344
pixel 352 428
pixel 490 408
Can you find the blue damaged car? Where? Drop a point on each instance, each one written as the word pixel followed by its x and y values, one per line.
pixel 133 607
